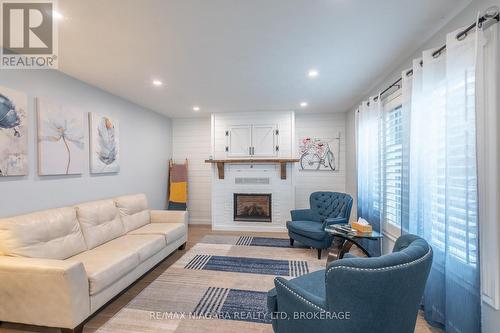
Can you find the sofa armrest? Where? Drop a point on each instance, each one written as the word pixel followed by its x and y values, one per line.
pixel 169 216
pixel 43 292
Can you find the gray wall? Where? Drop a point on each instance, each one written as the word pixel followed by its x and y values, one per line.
pixel 145 147
pixel 491 317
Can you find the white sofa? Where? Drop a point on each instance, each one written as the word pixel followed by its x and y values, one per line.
pixel 59 266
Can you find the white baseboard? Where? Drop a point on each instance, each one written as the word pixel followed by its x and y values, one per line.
pixel 249 228
pixel 200 221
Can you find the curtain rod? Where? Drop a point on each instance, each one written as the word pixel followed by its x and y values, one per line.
pixel 438 52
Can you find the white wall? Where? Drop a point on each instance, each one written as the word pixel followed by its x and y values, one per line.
pixel 329 125
pixel 191 140
pixel 145 147
pixel 491 317
pixel 223 189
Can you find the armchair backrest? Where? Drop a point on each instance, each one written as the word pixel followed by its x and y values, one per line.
pixel 382 294
pixel 330 205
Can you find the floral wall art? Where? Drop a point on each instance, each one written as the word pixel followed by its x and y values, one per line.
pixel 104 144
pixel 13 133
pixel 61 139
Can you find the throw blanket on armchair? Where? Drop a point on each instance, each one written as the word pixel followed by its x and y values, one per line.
pixel 177 192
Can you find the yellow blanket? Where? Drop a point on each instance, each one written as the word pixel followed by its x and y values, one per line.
pixel 177 199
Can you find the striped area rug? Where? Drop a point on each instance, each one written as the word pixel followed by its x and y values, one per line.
pixel 220 285
pixel 263 241
pixel 273 267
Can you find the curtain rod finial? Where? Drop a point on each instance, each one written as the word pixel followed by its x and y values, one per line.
pixel 491 12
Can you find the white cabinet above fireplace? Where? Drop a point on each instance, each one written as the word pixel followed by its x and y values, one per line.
pixel 265 140
pixel 252 141
pixel 239 141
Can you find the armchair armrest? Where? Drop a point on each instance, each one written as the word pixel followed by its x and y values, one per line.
pixel 334 220
pixel 44 292
pixel 303 215
pixel 350 256
pixel 169 216
pixel 293 296
pixel 288 300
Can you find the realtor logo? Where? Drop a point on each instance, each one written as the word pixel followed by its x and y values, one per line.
pixel 28 35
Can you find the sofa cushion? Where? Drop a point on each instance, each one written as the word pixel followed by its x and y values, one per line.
pixel 133 211
pixel 171 231
pixel 310 229
pixel 144 245
pixel 50 234
pixel 100 222
pixel 104 267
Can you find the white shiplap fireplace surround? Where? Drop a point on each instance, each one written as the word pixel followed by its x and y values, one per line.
pixel 251 176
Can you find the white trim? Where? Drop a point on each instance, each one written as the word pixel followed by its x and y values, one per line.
pixel 391 229
pixel 390 236
pixel 200 221
pixel 488 163
pixel 393 100
pixel 250 228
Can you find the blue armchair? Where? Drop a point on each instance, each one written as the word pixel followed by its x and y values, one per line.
pixel 308 225
pixel 356 295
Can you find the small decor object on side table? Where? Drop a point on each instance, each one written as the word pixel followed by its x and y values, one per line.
pixel 362 225
pixel 345 236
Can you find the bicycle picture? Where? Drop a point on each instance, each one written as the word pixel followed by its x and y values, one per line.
pixel 316 154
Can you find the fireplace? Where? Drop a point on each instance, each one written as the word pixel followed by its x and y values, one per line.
pixel 252 207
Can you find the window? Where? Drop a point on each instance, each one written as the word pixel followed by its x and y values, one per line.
pixel 391 162
pixel 454 209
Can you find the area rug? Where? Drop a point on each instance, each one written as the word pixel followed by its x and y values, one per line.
pixel 220 285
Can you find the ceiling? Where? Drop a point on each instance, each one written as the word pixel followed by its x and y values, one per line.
pixel 242 55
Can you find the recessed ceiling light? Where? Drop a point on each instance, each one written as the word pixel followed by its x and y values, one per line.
pixel 57 15
pixel 303 104
pixel 157 83
pixel 196 108
pixel 312 73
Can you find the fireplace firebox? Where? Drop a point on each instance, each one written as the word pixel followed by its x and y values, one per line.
pixel 252 207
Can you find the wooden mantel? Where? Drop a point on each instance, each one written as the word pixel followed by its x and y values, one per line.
pixel 281 161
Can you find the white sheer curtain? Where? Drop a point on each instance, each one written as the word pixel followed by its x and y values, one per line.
pixel 406 107
pixel 443 181
pixel 368 148
pixel 450 149
pixel 488 146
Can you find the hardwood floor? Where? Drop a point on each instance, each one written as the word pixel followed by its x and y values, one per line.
pixel 196 233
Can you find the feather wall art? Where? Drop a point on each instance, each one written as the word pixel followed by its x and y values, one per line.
pixel 104 144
